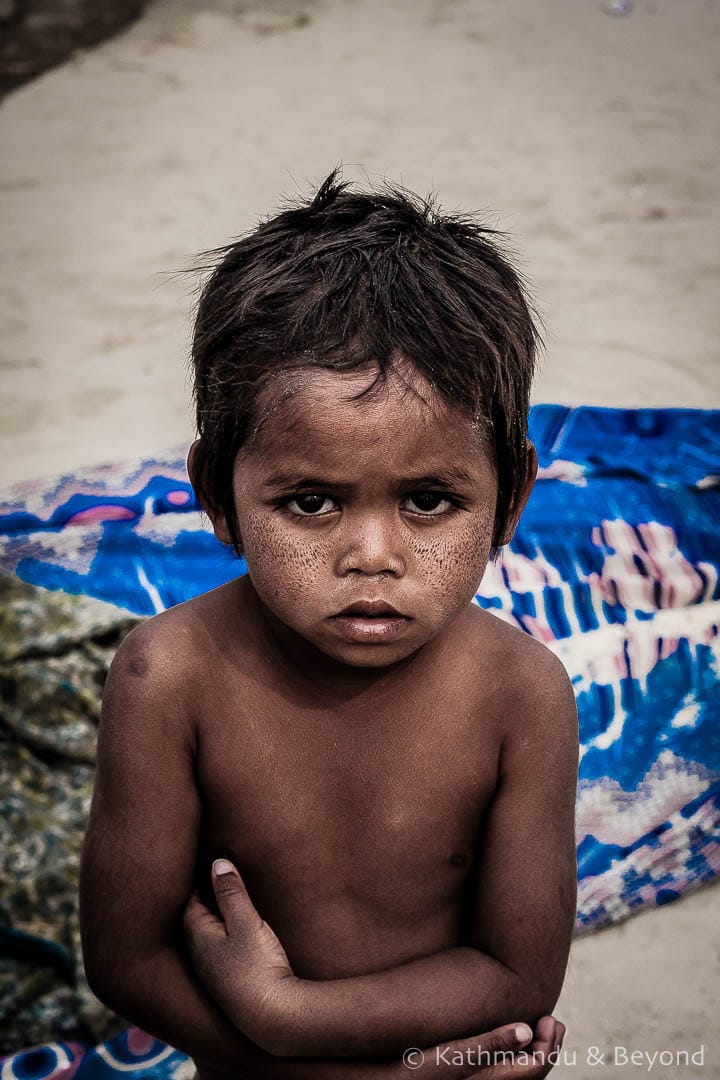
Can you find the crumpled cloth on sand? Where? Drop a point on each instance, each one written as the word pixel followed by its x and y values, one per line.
pixel 55 651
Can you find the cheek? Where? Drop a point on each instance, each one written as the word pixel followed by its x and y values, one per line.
pixel 453 564
pixel 282 563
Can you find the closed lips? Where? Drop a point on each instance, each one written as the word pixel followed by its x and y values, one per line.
pixel 372 610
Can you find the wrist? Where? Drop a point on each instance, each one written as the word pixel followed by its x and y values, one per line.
pixel 274 1021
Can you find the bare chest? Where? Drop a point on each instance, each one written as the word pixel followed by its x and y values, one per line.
pixel 400 793
pixel 363 824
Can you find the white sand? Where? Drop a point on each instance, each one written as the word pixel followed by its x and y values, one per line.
pixel 594 140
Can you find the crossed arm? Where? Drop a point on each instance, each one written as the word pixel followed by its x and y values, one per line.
pixel 137 872
pixel 523 919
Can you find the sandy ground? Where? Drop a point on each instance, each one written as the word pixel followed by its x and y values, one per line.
pixel 593 139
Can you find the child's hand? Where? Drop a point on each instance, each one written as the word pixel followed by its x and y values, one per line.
pixel 506 1056
pixel 238 957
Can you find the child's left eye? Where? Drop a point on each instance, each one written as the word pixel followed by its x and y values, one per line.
pixel 429 503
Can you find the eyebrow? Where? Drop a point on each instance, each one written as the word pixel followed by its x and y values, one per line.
pixel 446 477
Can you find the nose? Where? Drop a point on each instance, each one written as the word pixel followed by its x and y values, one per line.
pixel 372 545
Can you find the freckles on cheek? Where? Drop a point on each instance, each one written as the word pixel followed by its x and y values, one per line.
pixel 282 564
pixel 454 565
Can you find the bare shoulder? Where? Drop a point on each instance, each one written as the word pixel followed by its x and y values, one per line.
pixel 157 649
pixel 169 657
pixel 531 681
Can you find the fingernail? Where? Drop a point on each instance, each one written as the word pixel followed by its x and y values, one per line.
pixel 523 1033
pixel 222 866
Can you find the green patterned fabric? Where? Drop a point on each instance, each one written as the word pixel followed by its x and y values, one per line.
pixel 55 650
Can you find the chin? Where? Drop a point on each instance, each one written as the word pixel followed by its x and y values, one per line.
pixel 371 656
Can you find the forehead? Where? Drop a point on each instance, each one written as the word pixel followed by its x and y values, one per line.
pixel 316 417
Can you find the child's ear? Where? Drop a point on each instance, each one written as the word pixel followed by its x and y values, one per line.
pixel 521 501
pixel 217 518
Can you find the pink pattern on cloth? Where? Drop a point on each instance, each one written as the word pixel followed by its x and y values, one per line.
pixel 95 514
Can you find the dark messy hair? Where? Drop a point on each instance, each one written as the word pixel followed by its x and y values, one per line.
pixel 351 280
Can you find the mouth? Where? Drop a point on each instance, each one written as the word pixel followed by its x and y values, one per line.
pixel 371 609
pixel 371 622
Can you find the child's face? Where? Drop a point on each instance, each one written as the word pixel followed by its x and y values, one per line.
pixel 390 499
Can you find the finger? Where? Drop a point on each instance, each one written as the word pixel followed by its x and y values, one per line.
pixel 546 1049
pixel 545 1030
pixel 197 919
pixel 543 1045
pixel 532 1062
pixel 235 905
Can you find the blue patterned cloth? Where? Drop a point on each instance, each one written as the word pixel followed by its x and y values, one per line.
pixel 131 1052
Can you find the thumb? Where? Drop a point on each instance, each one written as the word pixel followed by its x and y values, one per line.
pixel 507 1038
pixel 235 905
pixel 496 1049
pixel 499 1049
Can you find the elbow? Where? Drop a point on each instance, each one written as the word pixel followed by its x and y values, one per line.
pixel 528 996
pixel 542 1004
pixel 105 981
pixel 540 996
pixel 107 990
pixel 111 966
pixel 102 972
pixel 110 978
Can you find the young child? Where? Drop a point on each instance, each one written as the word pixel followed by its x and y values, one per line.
pixel 387 768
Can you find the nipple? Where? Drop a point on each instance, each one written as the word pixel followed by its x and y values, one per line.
pixel 458 859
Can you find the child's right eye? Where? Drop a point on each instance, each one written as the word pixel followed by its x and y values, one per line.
pixel 309 505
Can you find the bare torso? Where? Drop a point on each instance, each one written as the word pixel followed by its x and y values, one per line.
pixel 352 813
pixel 362 806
